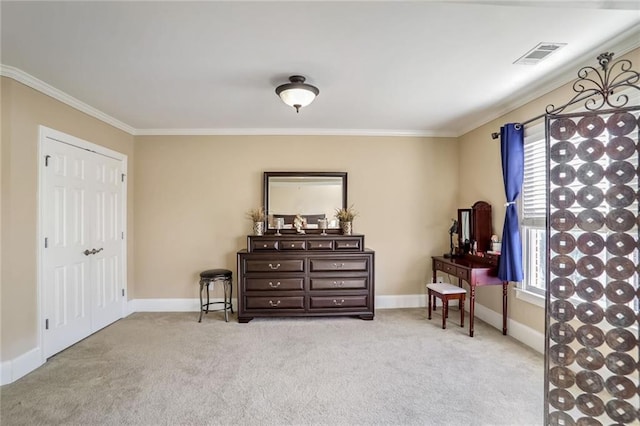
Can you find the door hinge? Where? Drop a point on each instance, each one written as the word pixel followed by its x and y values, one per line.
pixel 123 292
pixel 46 242
pixel 122 177
pixel 46 160
pixel 46 324
pixel 123 235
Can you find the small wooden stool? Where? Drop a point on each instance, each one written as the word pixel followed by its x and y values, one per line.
pixel 212 276
pixel 446 292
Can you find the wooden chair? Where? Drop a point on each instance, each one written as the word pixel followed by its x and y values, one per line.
pixel 446 292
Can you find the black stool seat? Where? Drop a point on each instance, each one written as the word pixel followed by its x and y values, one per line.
pixel 209 277
pixel 216 273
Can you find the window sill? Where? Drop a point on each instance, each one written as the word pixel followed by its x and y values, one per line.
pixel 533 298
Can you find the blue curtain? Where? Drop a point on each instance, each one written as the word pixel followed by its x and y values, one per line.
pixel 512 149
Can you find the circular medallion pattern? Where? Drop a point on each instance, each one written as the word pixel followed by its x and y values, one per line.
pixel 557 418
pixel 621 244
pixel 590 266
pixel 562 175
pixel 589 197
pixel 590 173
pixel 562 152
pixel 562 310
pixel 590 243
pixel 590 404
pixel 621 411
pixel 562 243
pixel 620 172
pixel 589 290
pixel 590 359
pixel 620 148
pixel 590 126
pixel 589 313
pixel 620 220
pixel 620 387
pixel 562 220
pixel 561 399
pixel 620 363
pixel 562 333
pixel 590 220
pixel 589 381
pixel 562 265
pixel 621 123
pixel 588 421
pixel 620 292
pixel 562 129
pixel 562 377
pixel 561 355
pixel 620 315
pixel 620 268
pixel 621 340
pixel 590 150
pixel 590 336
pixel 562 198
pixel 561 288
pixel 620 196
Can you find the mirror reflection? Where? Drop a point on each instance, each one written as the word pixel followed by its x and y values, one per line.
pixel 313 196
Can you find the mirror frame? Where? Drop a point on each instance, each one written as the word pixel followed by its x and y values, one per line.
pixel 480 227
pixel 265 194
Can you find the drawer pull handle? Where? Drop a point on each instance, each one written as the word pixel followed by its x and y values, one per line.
pixel 264 245
pixel 338 265
pixel 293 245
pixel 274 267
pixel 273 305
pixel 276 285
pixel 338 284
pixel 335 302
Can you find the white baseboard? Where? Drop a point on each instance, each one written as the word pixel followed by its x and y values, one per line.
pixel 12 370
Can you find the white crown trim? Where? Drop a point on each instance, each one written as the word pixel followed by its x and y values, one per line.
pixel 39 85
pixel 292 132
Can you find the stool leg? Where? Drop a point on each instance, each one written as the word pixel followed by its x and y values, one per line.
pixel 445 311
pixel 208 300
pixel 462 311
pixel 224 303
pixel 201 307
pixel 231 294
pixel 429 302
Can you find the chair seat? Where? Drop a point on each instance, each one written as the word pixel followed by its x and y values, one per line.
pixel 215 273
pixel 444 288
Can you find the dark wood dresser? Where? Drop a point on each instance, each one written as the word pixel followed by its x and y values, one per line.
pixel 305 275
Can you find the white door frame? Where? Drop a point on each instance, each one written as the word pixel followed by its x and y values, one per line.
pixel 48 133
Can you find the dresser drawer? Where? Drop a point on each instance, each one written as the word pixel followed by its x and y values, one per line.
pixel 320 245
pixel 438 265
pixel 344 244
pixel 462 273
pixel 264 245
pixel 270 284
pixel 324 302
pixel 449 269
pixel 275 303
pixel 338 283
pixel 327 265
pixel 274 265
pixel 293 245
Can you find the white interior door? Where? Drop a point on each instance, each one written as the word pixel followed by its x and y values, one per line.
pixel 82 278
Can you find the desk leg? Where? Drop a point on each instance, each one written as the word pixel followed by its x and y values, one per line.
pixel 472 308
pixel 505 284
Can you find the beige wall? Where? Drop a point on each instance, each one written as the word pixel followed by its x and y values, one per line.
pixel 23 110
pixel 481 179
pixel 192 193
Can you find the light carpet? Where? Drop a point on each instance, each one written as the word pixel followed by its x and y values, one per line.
pixel 400 368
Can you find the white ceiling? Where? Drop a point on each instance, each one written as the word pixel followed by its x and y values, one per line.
pixel 382 67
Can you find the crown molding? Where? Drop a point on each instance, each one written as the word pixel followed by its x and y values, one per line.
pixel 293 132
pixel 39 85
pixel 620 45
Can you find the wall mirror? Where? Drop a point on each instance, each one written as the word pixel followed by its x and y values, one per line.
pixel 312 195
pixel 474 225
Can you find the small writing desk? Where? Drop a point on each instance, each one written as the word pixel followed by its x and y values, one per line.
pixel 476 271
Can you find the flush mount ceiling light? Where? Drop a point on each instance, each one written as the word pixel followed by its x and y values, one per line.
pixel 297 93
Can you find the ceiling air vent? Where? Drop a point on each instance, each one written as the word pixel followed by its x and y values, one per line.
pixel 538 53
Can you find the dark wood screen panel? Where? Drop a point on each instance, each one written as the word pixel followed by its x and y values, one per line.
pixel 592 269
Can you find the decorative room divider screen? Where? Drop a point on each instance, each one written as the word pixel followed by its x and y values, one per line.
pixel 591 354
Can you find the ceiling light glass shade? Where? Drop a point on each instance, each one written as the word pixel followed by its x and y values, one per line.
pixel 297 94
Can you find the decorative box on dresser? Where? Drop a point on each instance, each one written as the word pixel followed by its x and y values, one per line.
pixel 305 275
